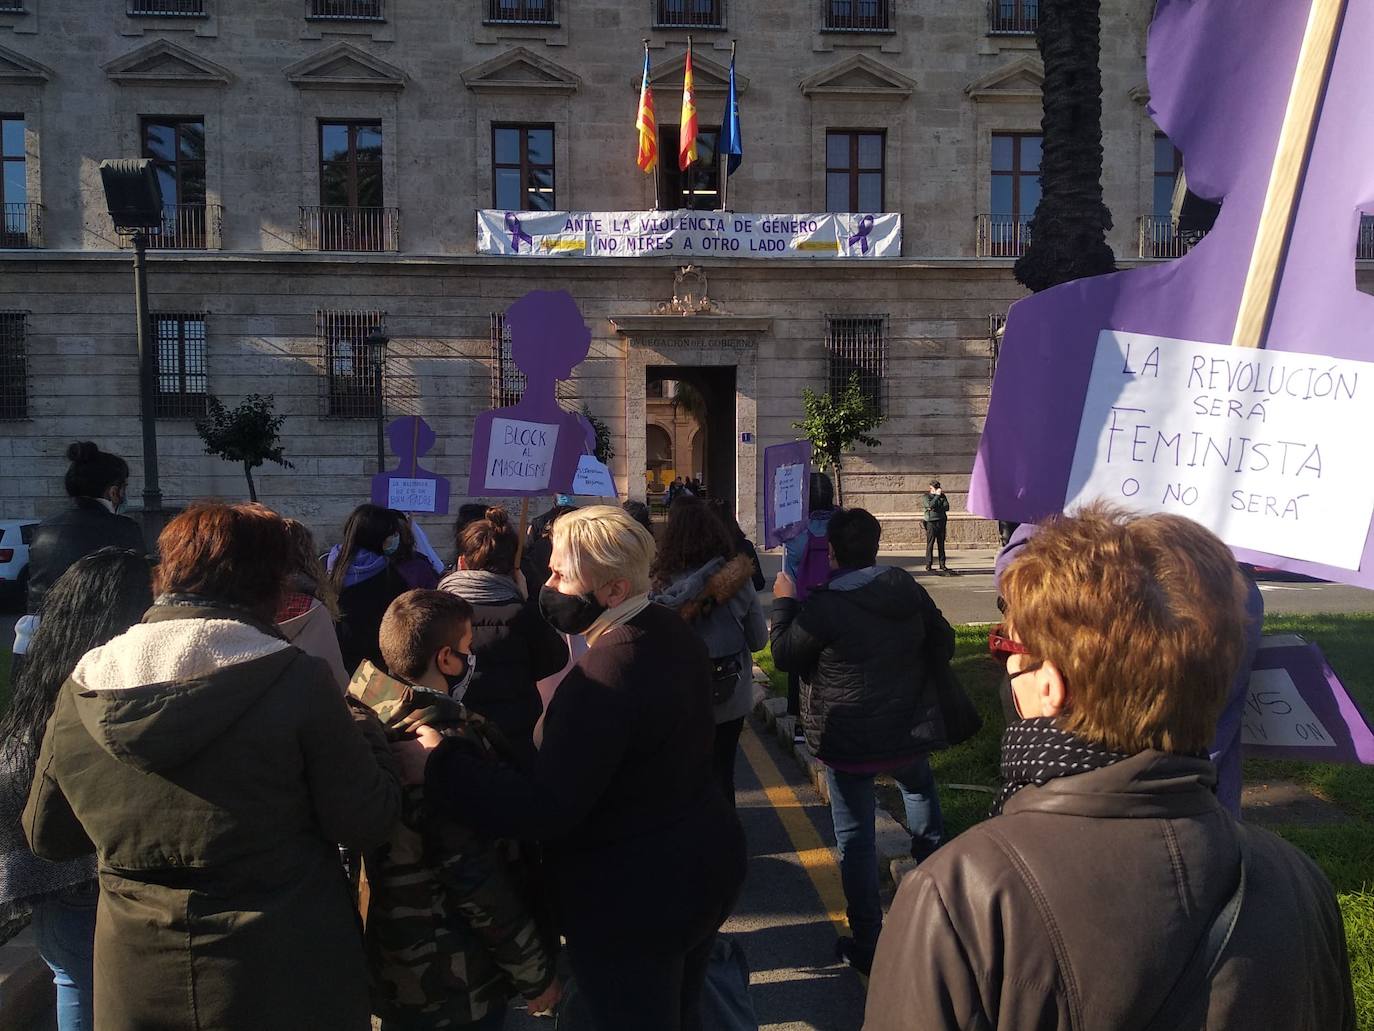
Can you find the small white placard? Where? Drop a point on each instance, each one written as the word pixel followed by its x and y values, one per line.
pixel 407 495
pixel 1268 449
pixel 1276 714
pixel 593 479
pixel 787 494
pixel 520 454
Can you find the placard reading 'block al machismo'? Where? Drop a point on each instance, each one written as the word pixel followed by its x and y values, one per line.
pixel 1269 449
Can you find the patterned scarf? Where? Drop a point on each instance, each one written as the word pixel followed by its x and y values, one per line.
pixel 1036 751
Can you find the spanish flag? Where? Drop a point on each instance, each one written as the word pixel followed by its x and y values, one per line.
pixel 644 122
pixel 687 130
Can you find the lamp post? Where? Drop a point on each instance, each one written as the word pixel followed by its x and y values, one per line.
pixel 134 199
pixel 376 341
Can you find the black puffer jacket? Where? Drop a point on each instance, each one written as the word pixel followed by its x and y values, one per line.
pixel 862 645
pixel 73 533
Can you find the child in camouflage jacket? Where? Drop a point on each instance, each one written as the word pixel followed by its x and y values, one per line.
pixel 450 934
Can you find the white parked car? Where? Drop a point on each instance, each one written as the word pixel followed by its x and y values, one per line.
pixel 15 535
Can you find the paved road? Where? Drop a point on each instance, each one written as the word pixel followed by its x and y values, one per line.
pixel 784 927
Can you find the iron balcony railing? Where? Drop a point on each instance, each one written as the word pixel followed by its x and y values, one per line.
pixel 167 8
pixel 350 229
pixel 185 227
pixel 521 12
pixel 21 227
pixel 689 14
pixel 1364 243
pixel 858 15
pixel 1160 238
pixel 346 10
pixel 1002 236
pixel 11 6
pixel 1013 17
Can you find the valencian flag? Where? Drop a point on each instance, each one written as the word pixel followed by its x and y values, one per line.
pixel 731 145
pixel 645 124
pixel 687 131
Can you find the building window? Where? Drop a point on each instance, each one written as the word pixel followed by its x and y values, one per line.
pixel 351 216
pixel 177 148
pixel 507 381
pixel 352 366
pixel 1168 164
pixel 14 186
pixel 997 324
pixel 698 188
pixel 183 378
pixel 1015 175
pixel 346 10
pixel 702 14
pixel 522 167
pixel 854 170
pixel 857 346
pixel 167 8
pixel 1013 17
pixel 14 367
pixel 521 12
pixel 857 15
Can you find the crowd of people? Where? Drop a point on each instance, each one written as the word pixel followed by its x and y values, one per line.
pixel 248 782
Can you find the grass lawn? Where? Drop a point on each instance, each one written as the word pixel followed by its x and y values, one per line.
pixel 1344 850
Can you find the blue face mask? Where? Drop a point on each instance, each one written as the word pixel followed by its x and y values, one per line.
pixel 391 544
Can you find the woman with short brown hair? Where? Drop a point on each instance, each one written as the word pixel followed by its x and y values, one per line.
pixel 215 768
pixel 1112 890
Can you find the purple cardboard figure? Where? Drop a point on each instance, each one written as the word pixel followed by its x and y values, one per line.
pixel 533 447
pixel 1220 74
pixel 410 487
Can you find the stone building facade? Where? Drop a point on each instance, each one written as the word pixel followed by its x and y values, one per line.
pixel 270 117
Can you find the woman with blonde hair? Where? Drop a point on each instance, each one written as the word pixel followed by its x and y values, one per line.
pixel 644 853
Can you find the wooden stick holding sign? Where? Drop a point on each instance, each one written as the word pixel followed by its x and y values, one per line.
pixel 1281 200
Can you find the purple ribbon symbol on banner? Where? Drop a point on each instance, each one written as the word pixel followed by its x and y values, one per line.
pixel 861 237
pixel 517 234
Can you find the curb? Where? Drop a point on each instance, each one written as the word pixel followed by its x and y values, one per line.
pixel 27 995
pixel 893 841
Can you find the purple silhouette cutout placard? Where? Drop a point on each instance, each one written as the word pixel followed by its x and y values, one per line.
pixel 533 447
pixel 786 491
pixel 1297 708
pixel 1128 362
pixel 410 487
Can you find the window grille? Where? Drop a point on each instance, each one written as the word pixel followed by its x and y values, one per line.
pixel 167 8
pixel 353 368
pixel 345 10
pixel 14 367
pixel 522 12
pixel 183 375
pixel 858 345
pixel 699 14
pixel 507 381
pixel 858 15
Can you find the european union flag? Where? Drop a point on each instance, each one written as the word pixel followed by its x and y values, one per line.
pixel 731 144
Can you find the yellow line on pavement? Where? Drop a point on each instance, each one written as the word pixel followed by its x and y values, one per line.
pixel 816 858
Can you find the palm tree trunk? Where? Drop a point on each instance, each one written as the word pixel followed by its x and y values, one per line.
pixel 1068 231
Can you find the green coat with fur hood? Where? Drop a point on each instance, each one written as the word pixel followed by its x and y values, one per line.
pixel 215 769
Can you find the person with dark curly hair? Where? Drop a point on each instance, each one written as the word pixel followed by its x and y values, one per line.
pixel 99 597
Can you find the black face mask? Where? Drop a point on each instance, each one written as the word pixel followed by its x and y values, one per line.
pixel 570 613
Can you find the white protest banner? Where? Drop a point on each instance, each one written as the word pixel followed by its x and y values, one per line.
pixel 688 234
pixel 411 495
pixel 1268 449
pixel 787 494
pixel 593 479
pixel 520 454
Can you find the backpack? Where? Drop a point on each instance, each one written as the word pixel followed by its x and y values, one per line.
pixel 723 636
pixel 814 568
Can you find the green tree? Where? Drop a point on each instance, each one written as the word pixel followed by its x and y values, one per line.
pixel 604 452
pixel 834 423
pixel 247 434
pixel 1069 229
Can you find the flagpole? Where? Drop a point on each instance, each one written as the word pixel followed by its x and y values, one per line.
pixel 657 202
pixel 729 120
